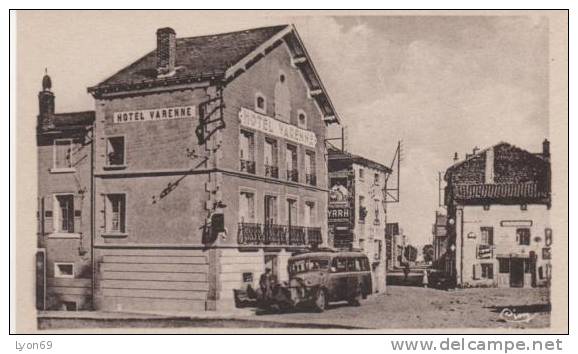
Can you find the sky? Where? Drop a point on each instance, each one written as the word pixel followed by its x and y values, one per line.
pixel 440 84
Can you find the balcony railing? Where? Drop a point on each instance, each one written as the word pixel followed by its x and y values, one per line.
pixel 248 166
pixel 271 171
pixel 293 175
pixel 311 179
pixel 278 235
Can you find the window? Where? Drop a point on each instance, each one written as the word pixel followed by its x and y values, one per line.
pixel 282 99
pixel 362 209
pixel 310 175
pixel 352 265
pixel 260 103
pixel 115 151
pixel 378 249
pixel 270 158
pixel 504 265
pixel 270 207
pixel 487 271
pixel 291 163
pixel 487 237
pixel 246 207
pixel 302 119
pixel 291 212
pixel 62 153
pixel 247 151
pixel 376 211
pixel 64 213
pixel 339 265
pixel 247 278
pixel 361 174
pixel 309 215
pixel 376 178
pixel 362 245
pixel 115 213
pixel 64 270
pixel 523 236
pixel 546 253
pixel 528 266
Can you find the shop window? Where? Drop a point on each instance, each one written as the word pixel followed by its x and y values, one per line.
pixel 64 213
pixel 62 154
pixel 487 236
pixel 247 151
pixel 504 265
pixel 260 103
pixel 302 119
pixel 115 213
pixel 523 236
pixel 115 153
pixel 64 270
pixel 246 207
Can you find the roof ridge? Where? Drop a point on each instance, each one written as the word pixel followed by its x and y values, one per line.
pixel 233 32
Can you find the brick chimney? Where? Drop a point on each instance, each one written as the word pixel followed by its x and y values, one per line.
pixel 166 51
pixel 546 148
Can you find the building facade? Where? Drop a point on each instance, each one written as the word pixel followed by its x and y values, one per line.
pixel 65 154
pixel 440 237
pixel 357 213
pixel 499 232
pixel 210 165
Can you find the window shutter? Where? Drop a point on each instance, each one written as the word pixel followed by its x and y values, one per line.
pixel 78 202
pixel 48 214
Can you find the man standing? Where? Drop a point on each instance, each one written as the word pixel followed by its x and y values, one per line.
pixel 266 285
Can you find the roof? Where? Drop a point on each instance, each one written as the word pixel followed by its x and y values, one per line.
pixel 197 57
pixel 520 191
pixel 336 154
pixel 219 57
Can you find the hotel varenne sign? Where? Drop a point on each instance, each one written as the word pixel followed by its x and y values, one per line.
pixel 154 114
pixel 269 125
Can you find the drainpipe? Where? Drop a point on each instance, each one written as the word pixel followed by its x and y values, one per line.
pixel 92 216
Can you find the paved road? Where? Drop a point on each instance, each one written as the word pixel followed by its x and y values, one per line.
pixel 400 307
pixel 414 307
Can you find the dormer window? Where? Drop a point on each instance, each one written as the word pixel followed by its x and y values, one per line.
pixel 302 119
pixel 260 103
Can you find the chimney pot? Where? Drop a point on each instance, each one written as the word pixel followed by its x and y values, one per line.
pixel 166 50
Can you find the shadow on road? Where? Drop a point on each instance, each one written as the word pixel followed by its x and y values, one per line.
pixel 534 308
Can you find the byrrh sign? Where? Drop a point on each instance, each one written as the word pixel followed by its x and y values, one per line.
pixel 266 124
pixel 154 114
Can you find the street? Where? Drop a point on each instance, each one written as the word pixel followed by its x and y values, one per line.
pixel 400 307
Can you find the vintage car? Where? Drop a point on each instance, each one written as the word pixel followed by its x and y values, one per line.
pixel 317 278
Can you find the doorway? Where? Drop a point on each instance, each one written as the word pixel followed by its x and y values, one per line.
pixel 517 272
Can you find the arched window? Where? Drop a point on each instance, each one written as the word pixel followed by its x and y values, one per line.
pixel 260 103
pixel 282 99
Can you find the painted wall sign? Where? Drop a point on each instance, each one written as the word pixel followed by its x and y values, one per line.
pixel 516 223
pixel 154 114
pixel 336 214
pixel 266 124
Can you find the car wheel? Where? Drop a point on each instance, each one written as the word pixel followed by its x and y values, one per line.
pixel 320 303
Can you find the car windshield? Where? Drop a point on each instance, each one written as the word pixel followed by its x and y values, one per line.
pixel 307 265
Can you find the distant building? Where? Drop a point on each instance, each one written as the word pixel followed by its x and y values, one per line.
pixel 394 243
pixel 440 236
pixel 357 213
pixel 498 202
pixel 65 154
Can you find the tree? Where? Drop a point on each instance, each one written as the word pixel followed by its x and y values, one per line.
pixel 410 253
pixel 428 253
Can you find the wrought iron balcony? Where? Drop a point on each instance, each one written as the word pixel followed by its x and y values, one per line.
pixel 278 235
pixel 293 175
pixel 311 179
pixel 248 166
pixel 271 171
